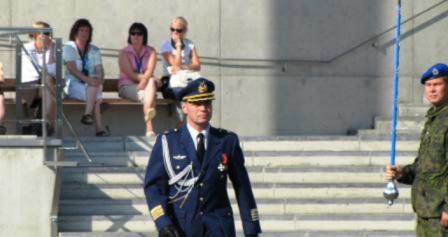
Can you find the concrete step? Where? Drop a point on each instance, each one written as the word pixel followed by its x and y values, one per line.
pixel 388 132
pixel 329 145
pixel 345 174
pixel 263 158
pixel 408 110
pixel 287 223
pixel 275 191
pixel 305 143
pixel 304 233
pixel 410 124
pixel 278 207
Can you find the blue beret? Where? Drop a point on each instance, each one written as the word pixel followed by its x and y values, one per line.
pixel 200 89
pixel 437 70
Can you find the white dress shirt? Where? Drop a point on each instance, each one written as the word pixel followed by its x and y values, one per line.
pixel 194 135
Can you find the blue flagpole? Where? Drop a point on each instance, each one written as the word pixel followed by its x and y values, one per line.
pixel 391 192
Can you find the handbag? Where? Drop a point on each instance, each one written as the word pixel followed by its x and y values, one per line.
pixel 182 78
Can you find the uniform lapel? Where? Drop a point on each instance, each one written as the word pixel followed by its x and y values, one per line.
pixel 213 146
pixel 188 146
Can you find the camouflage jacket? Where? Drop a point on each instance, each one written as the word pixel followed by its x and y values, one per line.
pixel 429 172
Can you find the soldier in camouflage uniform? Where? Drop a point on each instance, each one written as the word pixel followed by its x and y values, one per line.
pixel 429 172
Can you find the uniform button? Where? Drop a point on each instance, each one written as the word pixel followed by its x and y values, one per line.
pixel 201 184
pixel 201 213
pixel 201 199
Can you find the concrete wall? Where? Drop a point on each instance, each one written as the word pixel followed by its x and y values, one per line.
pixel 26 188
pixel 281 67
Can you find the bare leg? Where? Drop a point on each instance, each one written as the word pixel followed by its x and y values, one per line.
pixel 97 115
pixel 149 104
pixel 91 99
pixel 50 102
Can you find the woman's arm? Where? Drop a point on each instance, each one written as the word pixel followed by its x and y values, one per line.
pixel 173 60
pixel 151 65
pixel 99 73
pixel 195 63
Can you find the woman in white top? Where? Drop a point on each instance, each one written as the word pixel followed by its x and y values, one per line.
pixel 32 64
pixel 178 53
pixel 85 75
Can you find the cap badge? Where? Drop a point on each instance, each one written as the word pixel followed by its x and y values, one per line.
pixel 202 88
pixel 435 72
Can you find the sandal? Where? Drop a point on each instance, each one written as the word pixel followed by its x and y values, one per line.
pixel 104 133
pixel 2 130
pixel 150 115
pixel 87 119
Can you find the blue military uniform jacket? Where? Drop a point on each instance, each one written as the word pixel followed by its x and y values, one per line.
pixel 193 197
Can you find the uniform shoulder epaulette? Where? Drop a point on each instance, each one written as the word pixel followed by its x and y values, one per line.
pixel 225 131
pixel 222 130
pixel 173 130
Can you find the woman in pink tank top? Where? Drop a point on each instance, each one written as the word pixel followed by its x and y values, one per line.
pixel 137 62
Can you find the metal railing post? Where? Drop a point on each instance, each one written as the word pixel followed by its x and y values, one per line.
pixel 58 97
pixel 19 107
pixel 44 90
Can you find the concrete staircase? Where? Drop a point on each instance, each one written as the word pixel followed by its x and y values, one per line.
pixel 305 186
pixel 411 118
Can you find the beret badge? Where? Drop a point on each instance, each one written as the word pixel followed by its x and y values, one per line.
pixel 435 72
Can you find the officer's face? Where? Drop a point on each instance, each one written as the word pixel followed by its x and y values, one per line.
pixel 198 113
pixel 435 91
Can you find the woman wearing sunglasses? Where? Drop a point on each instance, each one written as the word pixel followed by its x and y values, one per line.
pixel 85 74
pixel 178 53
pixel 137 62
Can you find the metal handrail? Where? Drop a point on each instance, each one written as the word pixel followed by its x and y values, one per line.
pixel 54 212
pixel 60 116
pixel 78 140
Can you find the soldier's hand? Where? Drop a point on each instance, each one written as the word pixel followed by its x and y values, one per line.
pixel 392 172
pixel 168 231
pixel 444 219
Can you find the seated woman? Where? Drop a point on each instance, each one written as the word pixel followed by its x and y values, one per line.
pixel 32 64
pixel 84 74
pixel 178 53
pixel 2 102
pixel 137 62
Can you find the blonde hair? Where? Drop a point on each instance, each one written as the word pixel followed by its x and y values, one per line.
pixel 39 25
pixel 181 19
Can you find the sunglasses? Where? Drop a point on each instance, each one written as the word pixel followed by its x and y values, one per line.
pixel 177 30
pixel 137 33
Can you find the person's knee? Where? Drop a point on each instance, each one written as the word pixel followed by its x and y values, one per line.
pixel 153 81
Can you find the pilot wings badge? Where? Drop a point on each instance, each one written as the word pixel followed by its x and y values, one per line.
pixel 179 157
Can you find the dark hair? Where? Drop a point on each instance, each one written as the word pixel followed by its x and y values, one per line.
pixel 140 27
pixel 78 24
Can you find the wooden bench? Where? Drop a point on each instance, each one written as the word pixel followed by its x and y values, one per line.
pixel 110 85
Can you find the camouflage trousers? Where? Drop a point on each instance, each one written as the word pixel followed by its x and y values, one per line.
pixel 430 227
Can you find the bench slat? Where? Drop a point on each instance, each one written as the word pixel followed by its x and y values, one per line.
pixel 110 85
